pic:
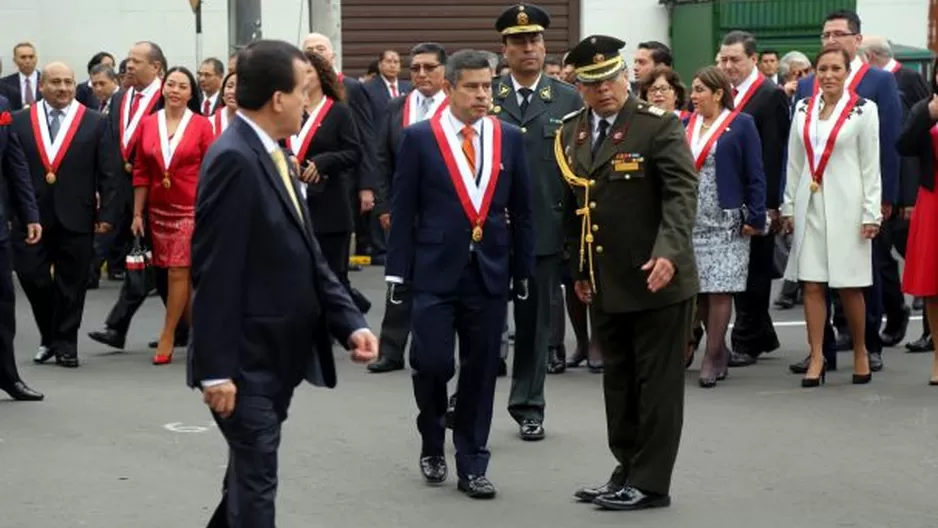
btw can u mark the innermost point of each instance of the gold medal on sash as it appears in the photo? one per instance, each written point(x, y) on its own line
point(477, 234)
point(166, 182)
point(814, 186)
point(50, 177)
point(128, 168)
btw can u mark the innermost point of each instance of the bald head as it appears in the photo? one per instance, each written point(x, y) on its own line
point(319, 43)
point(876, 50)
point(58, 84)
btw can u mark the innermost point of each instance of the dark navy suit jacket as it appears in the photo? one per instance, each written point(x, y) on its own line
point(880, 87)
point(740, 175)
point(265, 301)
point(429, 241)
point(379, 95)
point(16, 184)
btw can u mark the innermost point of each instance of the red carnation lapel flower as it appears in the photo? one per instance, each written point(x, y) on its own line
point(5, 118)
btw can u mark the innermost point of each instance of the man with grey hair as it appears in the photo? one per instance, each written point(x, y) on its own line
point(452, 249)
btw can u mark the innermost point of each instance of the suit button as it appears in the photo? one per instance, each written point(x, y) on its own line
point(599, 249)
point(592, 205)
point(524, 130)
point(595, 228)
point(628, 176)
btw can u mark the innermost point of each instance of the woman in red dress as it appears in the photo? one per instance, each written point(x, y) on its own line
point(919, 139)
point(224, 114)
point(172, 144)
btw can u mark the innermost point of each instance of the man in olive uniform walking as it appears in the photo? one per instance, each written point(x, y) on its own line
point(631, 173)
point(536, 103)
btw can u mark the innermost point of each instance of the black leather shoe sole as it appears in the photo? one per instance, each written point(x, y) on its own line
point(607, 503)
point(385, 365)
point(111, 339)
point(67, 362)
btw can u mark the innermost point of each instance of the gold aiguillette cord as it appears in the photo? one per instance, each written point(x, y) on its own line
point(586, 238)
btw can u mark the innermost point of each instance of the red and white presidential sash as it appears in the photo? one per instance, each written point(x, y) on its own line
point(701, 146)
point(299, 144)
point(475, 199)
point(129, 124)
point(853, 80)
point(220, 120)
point(742, 98)
point(893, 66)
point(411, 107)
point(818, 157)
point(51, 153)
point(169, 145)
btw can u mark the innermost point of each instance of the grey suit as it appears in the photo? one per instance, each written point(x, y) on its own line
point(549, 102)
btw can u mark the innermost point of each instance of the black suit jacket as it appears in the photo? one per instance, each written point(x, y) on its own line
point(10, 86)
point(264, 300)
point(84, 94)
point(912, 89)
point(380, 96)
point(125, 186)
point(85, 169)
point(769, 107)
point(360, 103)
point(389, 139)
point(14, 175)
point(335, 149)
point(915, 142)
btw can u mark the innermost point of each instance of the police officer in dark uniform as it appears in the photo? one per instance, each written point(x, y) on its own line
point(536, 103)
point(634, 191)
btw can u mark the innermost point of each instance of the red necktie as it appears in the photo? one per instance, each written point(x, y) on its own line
point(393, 89)
point(206, 106)
point(134, 105)
point(735, 93)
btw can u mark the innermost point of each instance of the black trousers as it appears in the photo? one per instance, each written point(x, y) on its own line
point(249, 489)
point(122, 314)
point(8, 371)
point(892, 298)
point(476, 318)
point(52, 274)
point(335, 249)
point(753, 331)
point(643, 387)
point(395, 327)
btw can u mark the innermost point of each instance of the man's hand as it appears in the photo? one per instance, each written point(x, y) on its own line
point(33, 233)
point(385, 221)
point(869, 231)
point(367, 199)
point(364, 346)
point(788, 225)
point(775, 224)
point(220, 398)
point(310, 174)
point(584, 291)
point(662, 271)
point(103, 227)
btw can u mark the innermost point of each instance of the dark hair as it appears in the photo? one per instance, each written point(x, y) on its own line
point(122, 68)
point(853, 20)
point(331, 87)
point(155, 54)
point(384, 54)
point(660, 53)
point(372, 68)
point(553, 60)
point(264, 68)
point(714, 79)
point(748, 40)
point(672, 78)
point(429, 47)
point(220, 101)
point(769, 52)
point(216, 65)
point(195, 102)
point(98, 58)
point(465, 60)
point(833, 48)
point(103, 68)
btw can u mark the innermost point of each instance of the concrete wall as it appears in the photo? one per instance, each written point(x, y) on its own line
point(902, 21)
point(633, 21)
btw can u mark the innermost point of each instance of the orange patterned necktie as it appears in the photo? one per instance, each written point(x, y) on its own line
point(467, 134)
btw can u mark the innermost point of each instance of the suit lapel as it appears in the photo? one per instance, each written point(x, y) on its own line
point(507, 100)
point(539, 99)
point(614, 135)
point(583, 133)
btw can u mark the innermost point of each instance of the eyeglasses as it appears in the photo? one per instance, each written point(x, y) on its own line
point(660, 89)
point(417, 68)
point(835, 35)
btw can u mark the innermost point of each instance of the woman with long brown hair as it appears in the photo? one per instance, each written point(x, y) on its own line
point(226, 112)
point(327, 149)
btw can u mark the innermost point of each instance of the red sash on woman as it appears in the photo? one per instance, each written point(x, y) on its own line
point(299, 144)
point(701, 147)
point(818, 163)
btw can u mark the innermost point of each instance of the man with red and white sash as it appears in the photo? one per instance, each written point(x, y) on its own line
point(457, 175)
point(753, 333)
point(426, 101)
point(66, 148)
point(879, 86)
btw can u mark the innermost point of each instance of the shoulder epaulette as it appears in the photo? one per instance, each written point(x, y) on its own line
point(651, 109)
point(571, 115)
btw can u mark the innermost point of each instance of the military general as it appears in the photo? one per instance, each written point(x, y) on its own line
point(536, 103)
point(633, 202)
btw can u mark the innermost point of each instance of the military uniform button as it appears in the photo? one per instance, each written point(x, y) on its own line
point(592, 183)
point(599, 249)
point(628, 176)
point(595, 228)
point(592, 205)
point(524, 130)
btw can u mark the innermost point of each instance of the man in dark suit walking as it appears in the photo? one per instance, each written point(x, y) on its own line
point(66, 148)
point(536, 103)
point(387, 85)
point(632, 208)
point(428, 68)
point(265, 302)
point(753, 332)
point(22, 87)
point(458, 176)
point(19, 190)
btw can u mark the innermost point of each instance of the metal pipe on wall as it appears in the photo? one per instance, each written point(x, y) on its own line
point(244, 23)
point(325, 16)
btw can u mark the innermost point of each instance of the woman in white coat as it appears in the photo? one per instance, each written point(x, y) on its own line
point(832, 205)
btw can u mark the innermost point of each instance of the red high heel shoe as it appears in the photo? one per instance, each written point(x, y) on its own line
point(162, 360)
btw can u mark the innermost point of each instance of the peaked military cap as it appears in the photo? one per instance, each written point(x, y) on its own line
point(522, 18)
point(597, 58)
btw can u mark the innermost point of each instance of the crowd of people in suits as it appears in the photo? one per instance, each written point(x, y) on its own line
point(651, 210)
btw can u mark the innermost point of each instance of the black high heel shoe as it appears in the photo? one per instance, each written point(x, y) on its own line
point(809, 383)
point(862, 379)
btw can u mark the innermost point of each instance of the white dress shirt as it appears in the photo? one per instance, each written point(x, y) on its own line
point(518, 86)
point(743, 87)
point(595, 126)
point(211, 101)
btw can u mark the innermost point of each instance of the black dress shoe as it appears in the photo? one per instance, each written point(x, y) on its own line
point(19, 391)
point(738, 359)
point(876, 361)
point(532, 430)
point(477, 487)
point(433, 469)
point(894, 331)
point(557, 360)
point(44, 354)
point(502, 368)
point(385, 364)
point(629, 499)
point(109, 337)
point(590, 494)
point(67, 361)
point(922, 344)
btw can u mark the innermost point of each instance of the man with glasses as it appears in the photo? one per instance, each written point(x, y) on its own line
point(879, 86)
point(536, 103)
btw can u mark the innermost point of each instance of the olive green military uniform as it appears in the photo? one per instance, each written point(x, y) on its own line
point(549, 101)
point(634, 201)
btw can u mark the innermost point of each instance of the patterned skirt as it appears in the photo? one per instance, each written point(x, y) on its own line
point(171, 228)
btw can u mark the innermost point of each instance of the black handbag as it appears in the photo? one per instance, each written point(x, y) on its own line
point(139, 278)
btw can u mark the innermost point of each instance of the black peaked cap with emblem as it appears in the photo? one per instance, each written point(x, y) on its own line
point(522, 18)
point(597, 58)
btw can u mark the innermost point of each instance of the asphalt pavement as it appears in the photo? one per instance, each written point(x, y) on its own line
point(119, 443)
